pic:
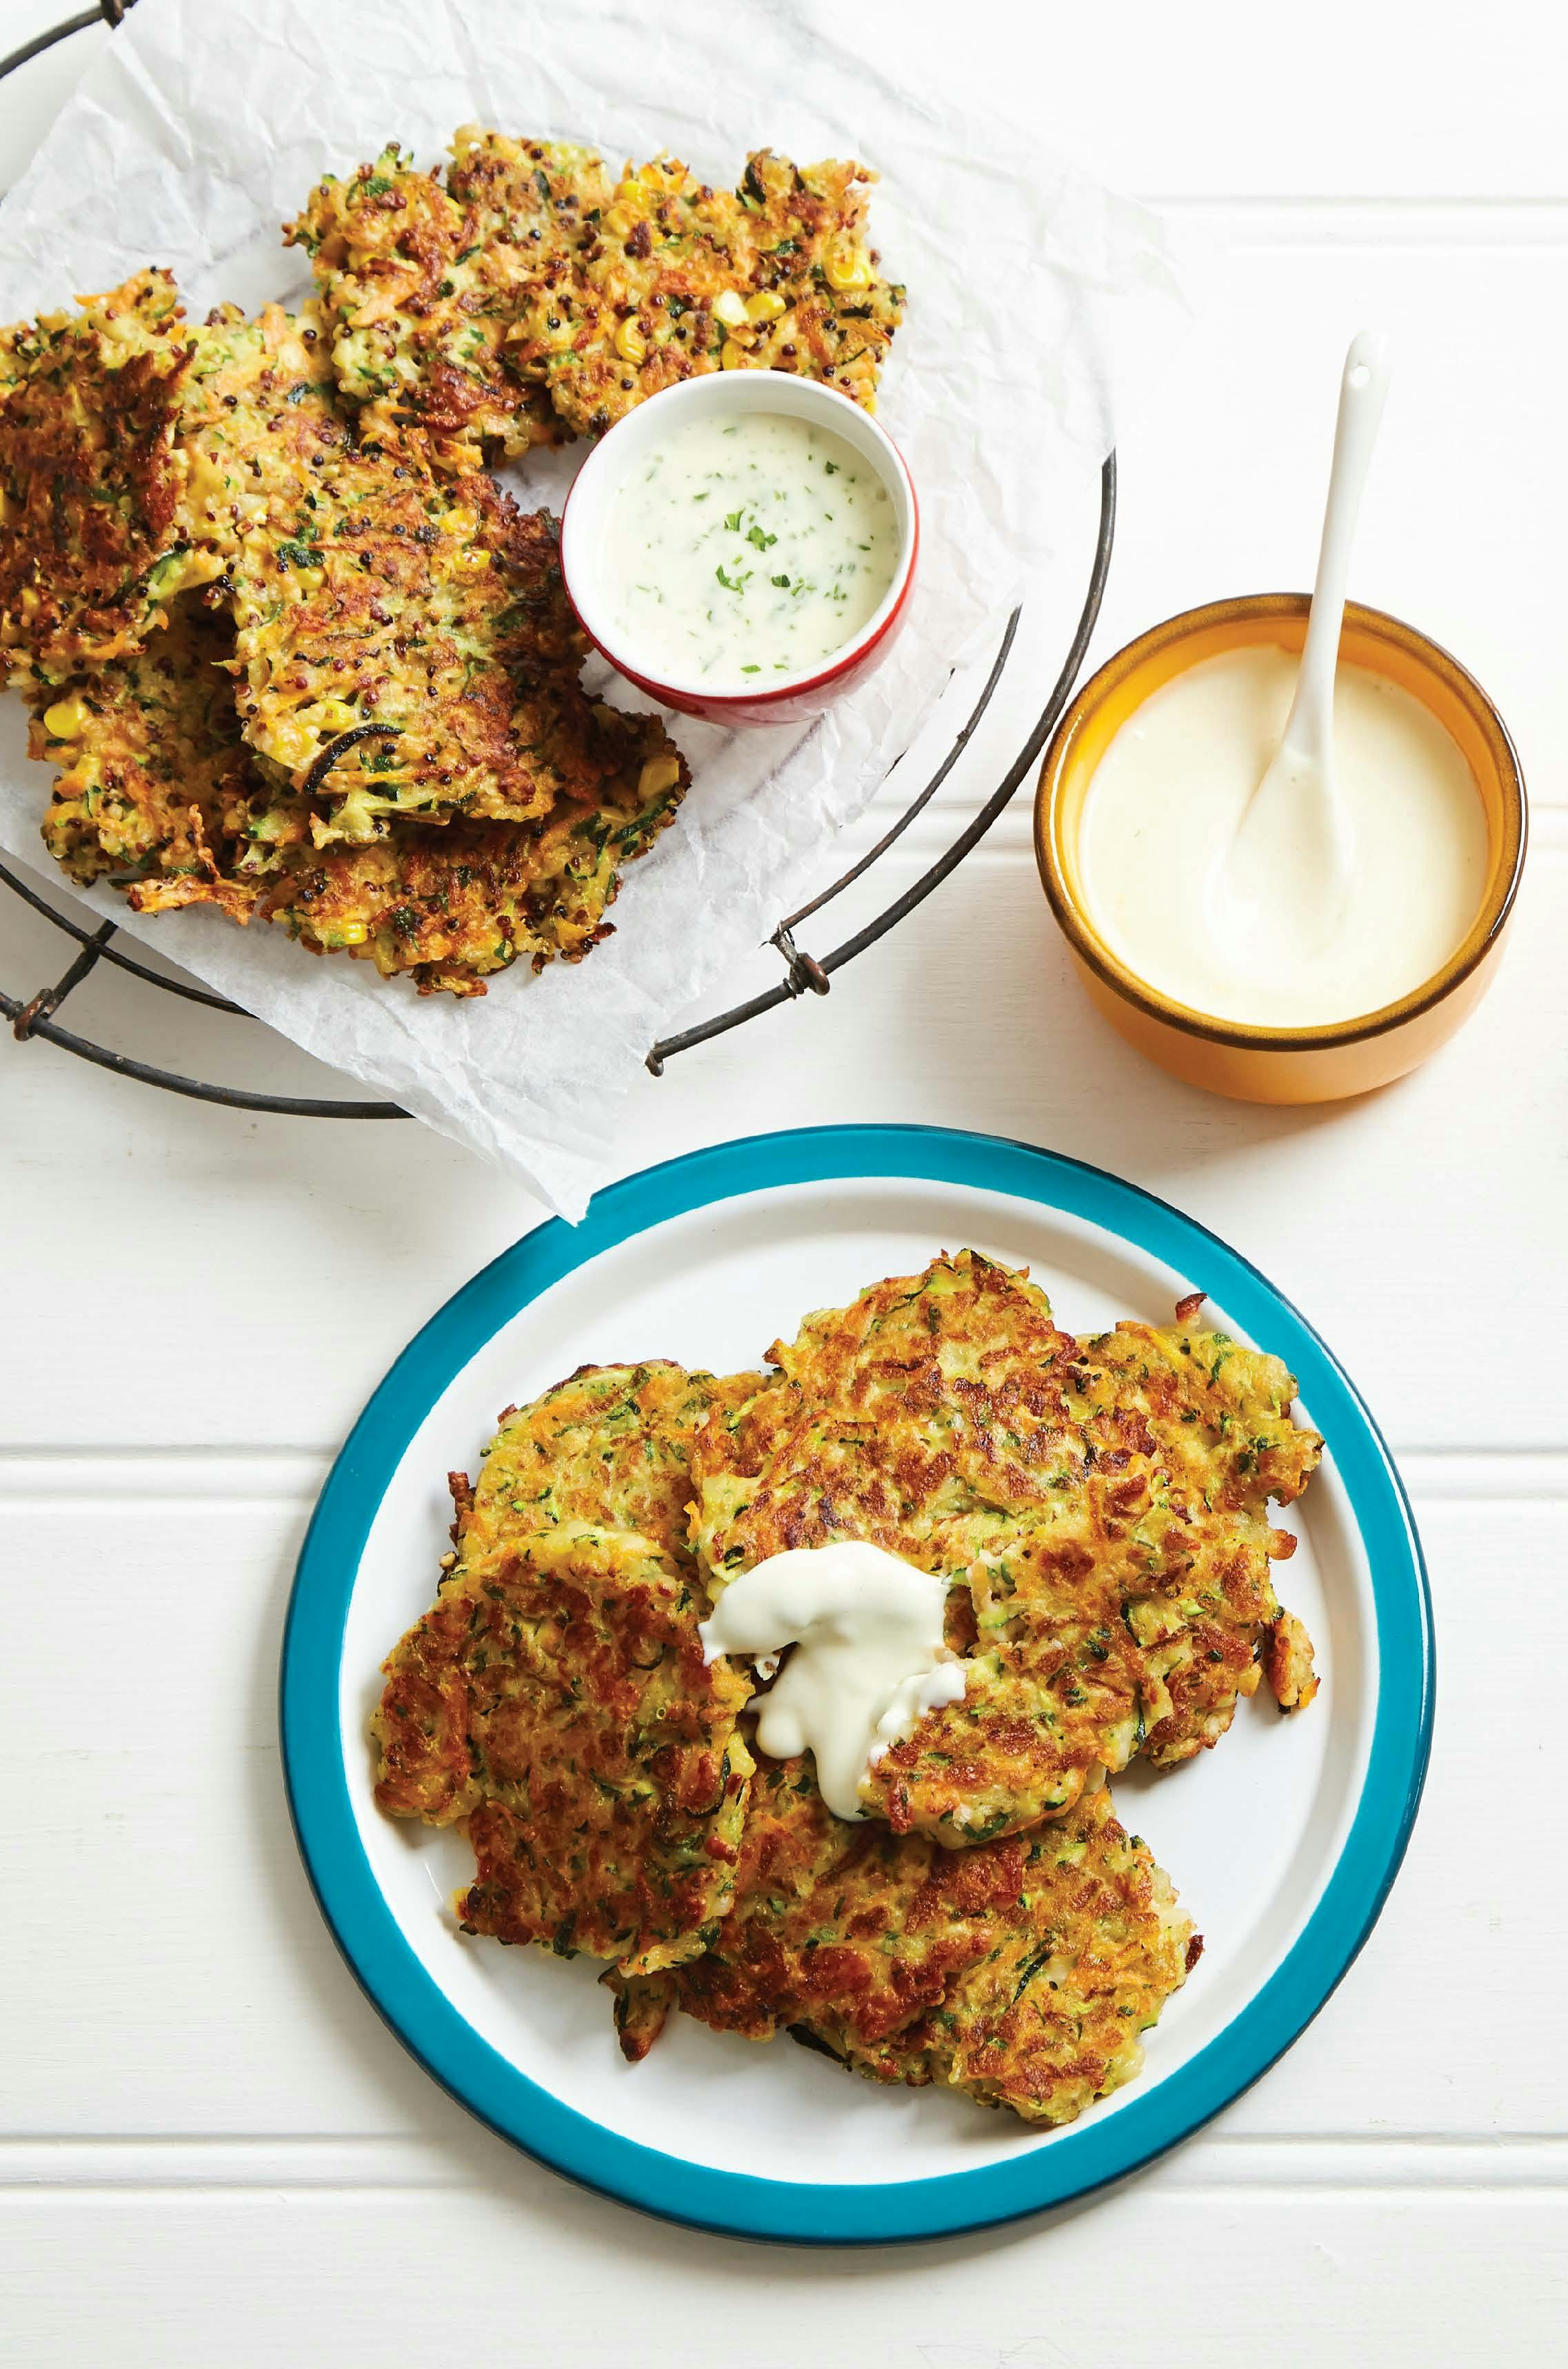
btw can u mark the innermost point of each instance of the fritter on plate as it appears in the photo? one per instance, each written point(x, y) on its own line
point(557, 1698)
point(611, 1443)
point(1021, 1970)
point(1105, 1536)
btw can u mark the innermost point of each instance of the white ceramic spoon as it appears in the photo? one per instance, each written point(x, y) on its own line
point(1282, 881)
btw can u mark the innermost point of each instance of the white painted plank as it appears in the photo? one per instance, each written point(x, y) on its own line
point(1346, 103)
point(172, 1975)
point(1171, 105)
point(1415, 2280)
point(184, 1275)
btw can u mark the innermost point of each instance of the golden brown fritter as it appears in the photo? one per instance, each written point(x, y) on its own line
point(91, 539)
point(1103, 1527)
point(924, 1417)
point(681, 278)
point(529, 298)
point(419, 285)
point(157, 783)
point(152, 771)
point(405, 652)
point(555, 1697)
point(1021, 1970)
point(451, 903)
point(611, 1444)
point(428, 620)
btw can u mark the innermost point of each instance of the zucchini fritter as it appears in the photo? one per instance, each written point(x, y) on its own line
point(90, 481)
point(154, 779)
point(611, 1443)
point(454, 902)
point(406, 659)
point(529, 298)
point(1021, 1972)
point(157, 783)
point(420, 285)
point(682, 279)
point(1101, 1512)
point(556, 1697)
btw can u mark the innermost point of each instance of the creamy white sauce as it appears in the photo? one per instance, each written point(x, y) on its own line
point(869, 1659)
point(1170, 792)
point(746, 551)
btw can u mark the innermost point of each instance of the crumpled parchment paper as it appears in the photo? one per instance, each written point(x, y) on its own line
point(1035, 301)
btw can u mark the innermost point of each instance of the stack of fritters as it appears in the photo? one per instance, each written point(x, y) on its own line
point(1099, 1508)
point(529, 297)
point(555, 1694)
point(286, 671)
point(291, 651)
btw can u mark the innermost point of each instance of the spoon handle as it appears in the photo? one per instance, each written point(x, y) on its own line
point(1362, 393)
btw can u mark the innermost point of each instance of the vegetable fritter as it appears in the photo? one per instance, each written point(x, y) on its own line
point(557, 1698)
point(91, 545)
point(1100, 1512)
point(154, 778)
point(407, 659)
point(531, 297)
point(682, 279)
point(156, 785)
point(454, 902)
point(611, 1443)
point(420, 285)
point(1021, 1970)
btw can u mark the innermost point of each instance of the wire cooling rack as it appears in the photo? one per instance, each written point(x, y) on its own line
point(34, 1017)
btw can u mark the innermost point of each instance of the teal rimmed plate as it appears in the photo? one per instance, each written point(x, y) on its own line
point(1282, 1842)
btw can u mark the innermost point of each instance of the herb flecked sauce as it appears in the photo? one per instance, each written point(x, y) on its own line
point(747, 553)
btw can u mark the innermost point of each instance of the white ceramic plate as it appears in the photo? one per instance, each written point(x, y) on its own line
point(1282, 1842)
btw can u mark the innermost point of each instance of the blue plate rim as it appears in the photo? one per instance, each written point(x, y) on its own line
point(1093, 2152)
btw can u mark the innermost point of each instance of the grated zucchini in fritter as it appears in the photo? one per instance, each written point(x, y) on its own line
point(377, 736)
point(555, 1698)
point(421, 284)
point(1100, 1511)
point(157, 783)
point(682, 279)
point(532, 298)
point(1021, 1972)
point(154, 779)
point(555, 1695)
point(611, 1443)
point(91, 483)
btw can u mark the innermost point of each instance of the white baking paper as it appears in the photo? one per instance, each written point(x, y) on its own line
point(1036, 301)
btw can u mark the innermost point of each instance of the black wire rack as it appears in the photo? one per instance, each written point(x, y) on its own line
point(34, 1017)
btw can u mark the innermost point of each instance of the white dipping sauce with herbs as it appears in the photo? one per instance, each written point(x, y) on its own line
point(746, 551)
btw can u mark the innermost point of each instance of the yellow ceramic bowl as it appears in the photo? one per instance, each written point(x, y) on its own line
point(1281, 1065)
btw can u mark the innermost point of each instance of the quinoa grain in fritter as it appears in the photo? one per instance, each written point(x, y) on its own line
point(682, 279)
point(92, 544)
point(419, 288)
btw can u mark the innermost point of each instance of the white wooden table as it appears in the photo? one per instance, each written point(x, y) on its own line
point(211, 2152)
